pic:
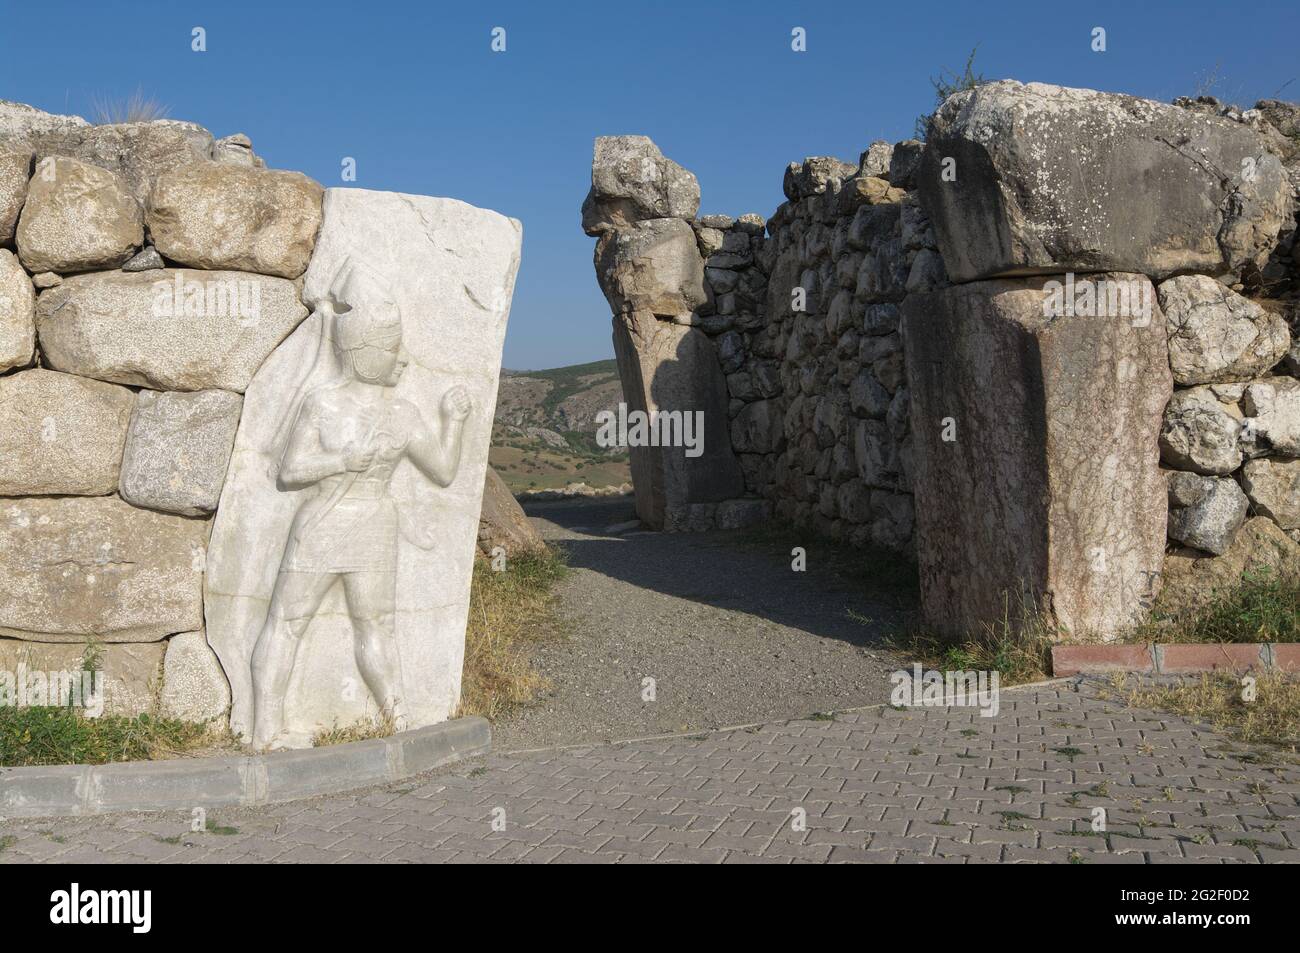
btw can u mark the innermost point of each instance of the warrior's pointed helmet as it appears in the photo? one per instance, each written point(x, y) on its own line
point(366, 312)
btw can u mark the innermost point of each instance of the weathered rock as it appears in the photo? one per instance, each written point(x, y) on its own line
point(126, 683)
point(1205, 512)
point(651, 266)
point(194, 688)
point(175, 329)
point(78, 217)
point(1051, 179)
point(1272, 409)
point(236, 149)
point(1200, 434)
point(137, 151)
point(15, 170)
point(814, 175)
point(757, 428)
point(17, 314)
point(216, 215)
point(876, 160)
point(1273, 485)
point(75, 567)
point(1016, 505)
point(904, 163)
point(46, 279)
point(1216, 335)
point(177, 448)
point(501, 520)
point(742, 514)
point(667, 367)
point(146, 260)
point(61, 434)
point(1193, 579)
point(631, 181)
point(447, 269)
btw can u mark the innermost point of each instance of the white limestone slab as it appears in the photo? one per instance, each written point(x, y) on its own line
point(451, 269)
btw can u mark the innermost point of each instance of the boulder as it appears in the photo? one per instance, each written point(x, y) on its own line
point(1193, 579)
point(129, 672)
point(670, 367)
point(218, 215)
point(814, 176)
point(876, 160)
point(137, 151)
point(632, 181)
point(1272, 409)
point(904, 163)
point(757, 428)
point(742, 514)
point(76, 567)
point(1051, 179)
point(501, 520)
point(1216, 335)
point(15, 170)
point(194, 688)
point(177, 448)
point(446, 271)
point(17, 314)
point(172, 329)
point(78, 217)
point(1200, 434)
point(1016, 498)
point(1273, 485)
point(651, 266)
point(61, 434)
point(1205, 512)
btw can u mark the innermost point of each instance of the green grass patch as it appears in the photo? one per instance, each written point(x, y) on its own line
point(1264, 607)
point(47, 735)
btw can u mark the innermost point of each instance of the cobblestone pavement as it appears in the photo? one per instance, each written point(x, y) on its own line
point(877, 785)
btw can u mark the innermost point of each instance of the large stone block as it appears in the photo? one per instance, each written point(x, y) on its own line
point(502, 521)
point(358, 473)
point(217, 215)
point(651, 266)
point(76, 567)
point(667, 367)
point(61, 434)
point(1273, 408)
point(1045, 179)
point(15, 169)
point(173, 329)
point(631, 181)
point(78, 217)
point(1216, 335)
point(17, 314)
point(177, 448)
point(124, 679)
point(194, 688)
point(1273, 485)
point(137, 151)
point(1035, 462)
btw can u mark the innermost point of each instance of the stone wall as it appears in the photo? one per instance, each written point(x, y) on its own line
point(155, 294)
point(898, 383)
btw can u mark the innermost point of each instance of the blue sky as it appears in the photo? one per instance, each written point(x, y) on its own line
point(414, 93)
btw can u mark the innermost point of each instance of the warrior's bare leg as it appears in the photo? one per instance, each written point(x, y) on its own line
point(294, 601)
point(372, 599)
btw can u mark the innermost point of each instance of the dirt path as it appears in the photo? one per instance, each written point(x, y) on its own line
point(729, 633)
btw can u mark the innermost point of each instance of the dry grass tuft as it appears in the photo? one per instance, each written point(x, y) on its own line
point(137, 107)
point(508, 610)
point(1018, 649)
point(381, 726)
point(1217, 700)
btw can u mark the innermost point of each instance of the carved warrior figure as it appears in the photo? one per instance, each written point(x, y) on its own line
point(344, 441)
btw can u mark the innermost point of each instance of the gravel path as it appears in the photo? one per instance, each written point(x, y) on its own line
point(729, 633)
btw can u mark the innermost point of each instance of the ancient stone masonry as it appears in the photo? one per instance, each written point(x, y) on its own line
point(896, 378)
point(193, 348)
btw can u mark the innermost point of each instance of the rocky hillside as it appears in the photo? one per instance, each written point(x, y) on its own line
point(544, 436)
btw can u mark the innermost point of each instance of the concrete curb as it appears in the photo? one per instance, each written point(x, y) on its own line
point(81, 789)
point(1175, 658)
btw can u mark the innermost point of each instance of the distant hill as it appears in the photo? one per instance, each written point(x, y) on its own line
point(545, 427)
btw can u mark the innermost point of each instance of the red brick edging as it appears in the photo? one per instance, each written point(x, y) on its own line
point(1168, 658)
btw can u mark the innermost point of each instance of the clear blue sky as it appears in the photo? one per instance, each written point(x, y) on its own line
point(414, 93)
